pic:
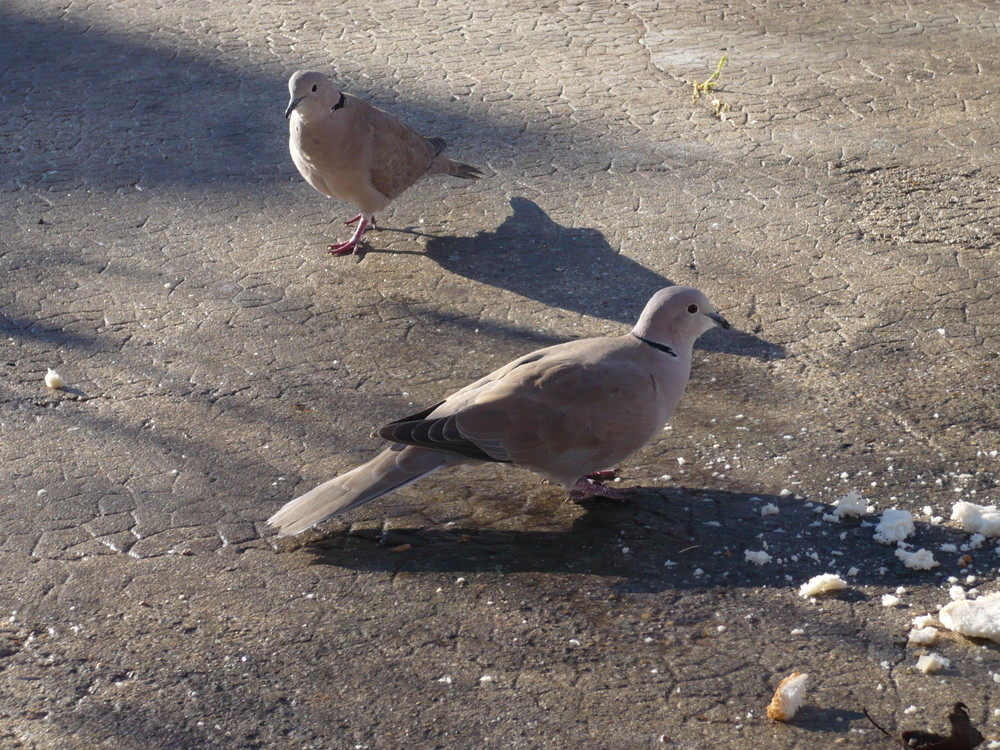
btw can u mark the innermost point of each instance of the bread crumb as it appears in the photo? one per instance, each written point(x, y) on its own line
point(922, 559)
point(923, 621)
point(822, 584)
point(894, 526)
point(932, 662)
point(853, 504)
point(757, 557)
point(922, 637)
point(788, 697)
point(977, 519)
point(54, 380)
point(889, 600)
point(976, 618)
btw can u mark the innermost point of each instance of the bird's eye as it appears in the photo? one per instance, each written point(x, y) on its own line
point(692, 309)
point(314, 88)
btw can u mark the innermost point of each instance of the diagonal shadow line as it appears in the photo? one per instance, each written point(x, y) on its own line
point(25, 328)
point(572, 269)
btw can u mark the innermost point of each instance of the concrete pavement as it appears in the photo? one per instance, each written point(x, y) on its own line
point(160, 251)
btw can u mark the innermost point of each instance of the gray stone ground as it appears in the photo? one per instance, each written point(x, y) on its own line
point(159, 250)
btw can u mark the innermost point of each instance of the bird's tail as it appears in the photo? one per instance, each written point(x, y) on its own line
point(390, 470)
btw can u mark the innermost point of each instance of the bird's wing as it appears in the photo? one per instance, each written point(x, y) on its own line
point(400, 156)
point(558, 407)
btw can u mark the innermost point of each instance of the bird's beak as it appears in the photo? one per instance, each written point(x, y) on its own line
point(292, 105)
point(719, 320)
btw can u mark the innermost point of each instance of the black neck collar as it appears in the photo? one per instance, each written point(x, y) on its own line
point(656, 345)
point(340, 103)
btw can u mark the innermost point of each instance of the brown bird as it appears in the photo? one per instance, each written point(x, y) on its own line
point(350, 150)
point(565, 412)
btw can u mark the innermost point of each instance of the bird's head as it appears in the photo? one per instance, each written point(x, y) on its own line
point(676, 316)
point(312, 95)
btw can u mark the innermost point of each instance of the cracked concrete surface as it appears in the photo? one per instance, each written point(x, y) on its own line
point(160, 251)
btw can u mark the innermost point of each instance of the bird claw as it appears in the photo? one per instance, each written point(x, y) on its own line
point(344, 248)
point(585, 488)
point(351, 246)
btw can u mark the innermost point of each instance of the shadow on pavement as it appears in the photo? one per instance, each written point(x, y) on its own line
point(572, 269)
point(633, 540)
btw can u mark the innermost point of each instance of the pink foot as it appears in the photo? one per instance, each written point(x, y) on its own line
point(346, 248)
point(585, 488)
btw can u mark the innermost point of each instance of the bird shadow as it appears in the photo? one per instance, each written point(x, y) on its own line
point(570, 268)
point(652, 542)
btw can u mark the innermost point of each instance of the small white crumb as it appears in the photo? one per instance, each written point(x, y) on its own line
point(720, 628)
point(948, 547)
point(894, 526)
point(822, 584)
point(486, 678)
point(932, 662)
point(922, 559)
point(770, 509)
point(797, 631)
point(956, 592)
point(446, 679)
point(788, 697)
point(977, 519)
point(976, 618)
point(910, 710)
point(784, 493)
point(681, 460)
point(460, 581)
point(830, 518)
point(54, 380)
point(757, 557)
point(922, 636)
point(852, 504)
point(923, 621)
point(889, 600)
point(852, 571)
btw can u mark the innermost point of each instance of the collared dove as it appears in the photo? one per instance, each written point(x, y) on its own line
point(566, 412)
point(348, 149)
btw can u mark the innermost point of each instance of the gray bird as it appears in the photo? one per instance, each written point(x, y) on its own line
point(350, 150)
point(565, 412)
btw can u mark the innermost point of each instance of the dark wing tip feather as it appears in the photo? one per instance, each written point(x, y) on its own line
point(438, 434)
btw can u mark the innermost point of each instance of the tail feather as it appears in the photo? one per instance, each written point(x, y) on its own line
point(443, 165)
point(390, 470)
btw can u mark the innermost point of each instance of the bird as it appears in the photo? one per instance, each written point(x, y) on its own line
point(568, 412)
point(351, 150)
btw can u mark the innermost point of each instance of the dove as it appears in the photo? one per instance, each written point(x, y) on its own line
point(568, 412)
point(355, 152)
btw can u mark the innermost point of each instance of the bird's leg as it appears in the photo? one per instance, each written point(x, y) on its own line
point(345, 248)
point(585, 488)
point(371, 224)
